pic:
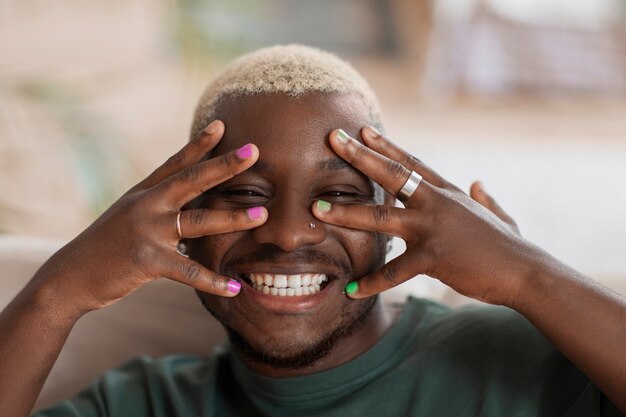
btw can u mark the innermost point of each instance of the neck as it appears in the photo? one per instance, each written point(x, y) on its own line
point(376, 325)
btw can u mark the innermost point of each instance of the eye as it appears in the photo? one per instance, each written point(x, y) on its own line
point(242, 193)
point(339, 194)
point(346, 197)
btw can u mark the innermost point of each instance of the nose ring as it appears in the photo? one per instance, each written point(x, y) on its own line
point(311, 225)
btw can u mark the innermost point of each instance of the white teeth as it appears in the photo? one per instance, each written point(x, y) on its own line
point(280, 281)
point(288, 285)
point(293, 281)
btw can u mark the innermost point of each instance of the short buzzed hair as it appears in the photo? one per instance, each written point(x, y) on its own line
point(291, 69)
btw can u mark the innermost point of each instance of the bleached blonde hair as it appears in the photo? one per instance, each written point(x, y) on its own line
point(291, 69)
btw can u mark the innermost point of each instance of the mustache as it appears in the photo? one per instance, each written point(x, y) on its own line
point(267, 254)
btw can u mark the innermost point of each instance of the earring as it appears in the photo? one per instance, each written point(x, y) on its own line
point(311, 225)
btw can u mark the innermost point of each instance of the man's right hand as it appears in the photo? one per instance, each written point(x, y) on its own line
point(135, 240)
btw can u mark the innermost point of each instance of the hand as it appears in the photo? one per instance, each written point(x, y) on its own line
point(135, 240)
point(468, 243)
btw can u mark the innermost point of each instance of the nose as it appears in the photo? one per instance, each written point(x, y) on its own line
point(288, 225)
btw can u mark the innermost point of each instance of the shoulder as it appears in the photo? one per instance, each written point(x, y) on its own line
point(179, 383)
point(472, 326)
point(492, 341)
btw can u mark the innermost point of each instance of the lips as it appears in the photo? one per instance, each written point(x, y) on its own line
point(287, 285)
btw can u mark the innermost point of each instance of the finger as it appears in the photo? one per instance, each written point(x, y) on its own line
point(390, 174)
point(192, 273)
point(193, 180)
point(375, 140)
point(383, 219)
point(203, 222)
point(478, 193)
point(392, 274)
point(190, 154)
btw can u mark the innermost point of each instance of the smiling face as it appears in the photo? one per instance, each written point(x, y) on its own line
point(277, 318)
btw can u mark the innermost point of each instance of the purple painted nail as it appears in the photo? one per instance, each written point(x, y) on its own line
point(233, 286)
point(245, 151)
point(255, 213)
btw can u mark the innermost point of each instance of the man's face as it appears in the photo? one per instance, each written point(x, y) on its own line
point(296, 167)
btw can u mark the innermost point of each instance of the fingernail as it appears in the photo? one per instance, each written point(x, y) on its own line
point(352, 288)
point(371, 132)
point(245, 151)
point(212, 127)
point(342, 137)
point(323, 206)
point(255, 213)
point(233, 286)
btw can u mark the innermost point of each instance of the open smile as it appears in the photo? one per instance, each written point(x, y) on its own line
point(284, 285)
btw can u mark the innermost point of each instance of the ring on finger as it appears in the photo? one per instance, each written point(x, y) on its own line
point(409, 186)
point(178, 229)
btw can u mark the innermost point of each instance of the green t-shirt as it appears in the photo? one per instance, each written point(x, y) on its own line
point(434, 361)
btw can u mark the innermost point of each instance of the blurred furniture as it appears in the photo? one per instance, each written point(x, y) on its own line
point(493, 54)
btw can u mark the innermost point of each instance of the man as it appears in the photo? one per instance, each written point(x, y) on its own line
point(284, 200)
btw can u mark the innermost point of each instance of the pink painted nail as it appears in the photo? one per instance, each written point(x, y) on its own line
point(255, 213)
point(233, 286)
point(245, 151)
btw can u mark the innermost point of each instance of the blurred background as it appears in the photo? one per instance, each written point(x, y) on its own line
point(526, 95)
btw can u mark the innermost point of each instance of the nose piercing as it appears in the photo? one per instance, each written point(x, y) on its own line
point(311, 225)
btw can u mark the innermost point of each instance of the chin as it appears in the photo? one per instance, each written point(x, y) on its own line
point(288, 342)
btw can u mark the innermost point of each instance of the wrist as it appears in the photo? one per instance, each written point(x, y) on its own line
point(535, 280)
point(50, 301)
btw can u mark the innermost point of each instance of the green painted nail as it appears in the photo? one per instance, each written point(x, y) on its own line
point(352, 288)
point(323, 206)
point(342, 136)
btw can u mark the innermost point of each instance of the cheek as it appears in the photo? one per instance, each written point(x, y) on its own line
point(210, 250)
point(366, 250)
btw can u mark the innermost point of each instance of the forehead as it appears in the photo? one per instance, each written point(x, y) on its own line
point(289, 127)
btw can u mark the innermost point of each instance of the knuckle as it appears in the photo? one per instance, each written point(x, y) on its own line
point(233, 216)
point(191, 271)
point(359, 152)
point(214, 282)
point(390, 274)
point(176, 159)
point(229, 162)
point(411, 161)
point(380, 214)
point(197, 217)
point(190, 174)
point(395, 170)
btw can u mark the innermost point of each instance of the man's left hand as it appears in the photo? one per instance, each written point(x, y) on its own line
point(467, 242)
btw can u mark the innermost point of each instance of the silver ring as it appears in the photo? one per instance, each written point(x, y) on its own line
point(180, 232)
point(409, 186)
